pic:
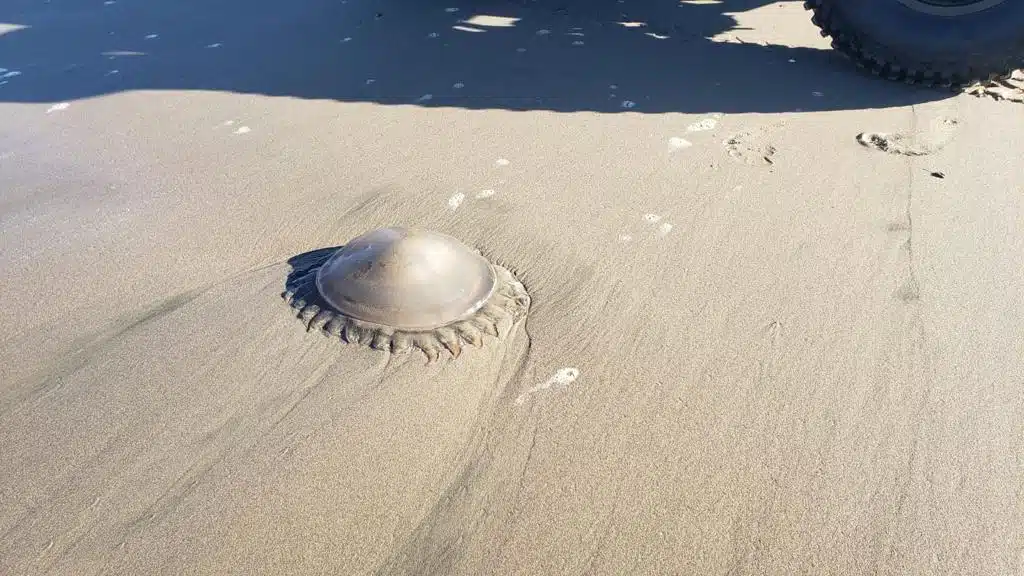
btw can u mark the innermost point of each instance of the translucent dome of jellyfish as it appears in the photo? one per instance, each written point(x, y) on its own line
point(398, 289)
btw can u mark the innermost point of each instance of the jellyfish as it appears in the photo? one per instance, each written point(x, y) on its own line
point(399, 289)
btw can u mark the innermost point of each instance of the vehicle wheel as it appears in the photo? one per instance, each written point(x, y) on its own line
point(931, 42)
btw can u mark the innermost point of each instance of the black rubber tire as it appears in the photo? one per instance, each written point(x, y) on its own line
point(897, 42)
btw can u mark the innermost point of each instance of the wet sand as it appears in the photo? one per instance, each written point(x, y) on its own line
point(763, 339)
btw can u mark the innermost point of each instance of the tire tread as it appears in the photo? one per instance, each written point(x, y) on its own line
point(850, 44)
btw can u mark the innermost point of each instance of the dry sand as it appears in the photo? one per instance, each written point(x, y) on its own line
point(758, 344)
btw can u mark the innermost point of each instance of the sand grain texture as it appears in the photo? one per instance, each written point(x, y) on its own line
point(811, 365)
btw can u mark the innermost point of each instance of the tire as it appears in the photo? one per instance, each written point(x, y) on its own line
point(924, 42)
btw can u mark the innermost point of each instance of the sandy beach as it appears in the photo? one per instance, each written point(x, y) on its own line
point(776, 308)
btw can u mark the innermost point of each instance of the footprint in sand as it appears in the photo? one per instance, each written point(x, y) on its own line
point(750, 147)
point(559, 380)
point(940, 133)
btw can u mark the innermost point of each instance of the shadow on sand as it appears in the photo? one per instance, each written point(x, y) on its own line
point(556, 55)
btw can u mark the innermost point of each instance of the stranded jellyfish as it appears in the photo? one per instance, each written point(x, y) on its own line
point(395, 289)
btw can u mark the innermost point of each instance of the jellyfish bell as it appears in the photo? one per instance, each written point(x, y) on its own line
point(409, 280)
point(396, 289)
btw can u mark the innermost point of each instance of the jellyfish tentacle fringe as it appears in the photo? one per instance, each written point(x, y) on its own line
point(508, 303)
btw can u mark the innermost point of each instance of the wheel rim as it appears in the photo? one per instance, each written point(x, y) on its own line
point(950, 7)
